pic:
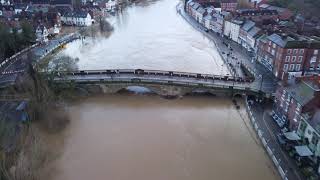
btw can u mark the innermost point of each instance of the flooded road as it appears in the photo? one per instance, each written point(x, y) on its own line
point(149, 36)
point(136, 137)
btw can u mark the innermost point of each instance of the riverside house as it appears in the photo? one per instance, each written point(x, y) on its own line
point(309, 132)
point(296, 100)
point(42, 33)
point(289, 55)
point(200, 13)
point(77, 18)
point(232, 29)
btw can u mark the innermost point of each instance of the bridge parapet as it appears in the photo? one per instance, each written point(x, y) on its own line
point(131, 77)
point(156, 73)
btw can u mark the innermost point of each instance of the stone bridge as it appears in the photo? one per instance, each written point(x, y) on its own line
point(165, 83)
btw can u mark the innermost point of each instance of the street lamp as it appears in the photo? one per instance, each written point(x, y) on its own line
point(262, 78)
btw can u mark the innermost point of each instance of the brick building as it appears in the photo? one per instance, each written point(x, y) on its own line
point(229, 5)
point(289, 56)
point(258, 15)
point(296, 100)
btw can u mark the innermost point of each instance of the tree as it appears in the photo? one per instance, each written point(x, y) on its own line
point(28, 35)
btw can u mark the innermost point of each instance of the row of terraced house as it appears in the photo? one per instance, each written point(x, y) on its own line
point(279, 40)
point(48, 16)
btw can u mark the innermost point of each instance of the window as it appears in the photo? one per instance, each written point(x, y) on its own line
point(300, 59)
point(285, 67)
point(314, 139)
point(268, 49)
point(301, 51)
point(298, 66)
point(315, 52)
point(303, 126)
point(289, 51)
point(298, 107)
point(293, 59)
point(273, 52)
point(291, 67)
point(274, 45)
point(295, 51)
point(287, 58)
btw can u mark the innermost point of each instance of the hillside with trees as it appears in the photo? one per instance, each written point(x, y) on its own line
point(308, 8)
point(14, 40)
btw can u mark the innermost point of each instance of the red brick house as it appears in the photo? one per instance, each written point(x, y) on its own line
point(284, 13)
point(258, 15)
point(288, 56)
point(229, 5)
point(297, 99)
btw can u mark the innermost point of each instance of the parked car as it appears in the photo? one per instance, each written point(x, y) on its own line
point(280, 121)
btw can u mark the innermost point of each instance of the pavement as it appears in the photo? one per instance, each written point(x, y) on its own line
point(20, 62)
point(270, 129)
point(264, 79)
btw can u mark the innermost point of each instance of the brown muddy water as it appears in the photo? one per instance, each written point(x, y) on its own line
point(145, 137)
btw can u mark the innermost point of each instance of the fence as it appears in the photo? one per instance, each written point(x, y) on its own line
point(66, 40)
point(265, 143)
point(3, 63)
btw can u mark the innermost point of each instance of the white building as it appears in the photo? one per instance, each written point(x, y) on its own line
point(111, 5)
point(207, 21)
point(80, 18)
point(200, 13)
point(194, 8)
point(42, 33)
point(232, 29)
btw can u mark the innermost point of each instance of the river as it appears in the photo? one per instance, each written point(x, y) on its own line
point(151, 36)
point(145, 137)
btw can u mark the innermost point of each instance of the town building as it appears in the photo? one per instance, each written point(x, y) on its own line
point(207, 21)
point(309, 133)
point(111, 5)
point(199, 14)
point(249, 32)
point(296, 100)
point(42, 33)
point(258, 15)
point(232, 29)
point(78, 18)
point(247, 25)
point(218, 18)
point(229, 5)
point(284, 13)
point(7, 11)
point(289, 56)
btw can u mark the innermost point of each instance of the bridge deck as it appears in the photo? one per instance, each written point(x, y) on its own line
point(163, 77)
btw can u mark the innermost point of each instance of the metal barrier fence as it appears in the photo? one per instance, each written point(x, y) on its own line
point(67, 39)
point(3, 63)
point(265, 143)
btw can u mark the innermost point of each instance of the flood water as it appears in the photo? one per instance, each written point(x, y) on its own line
point(149, 36)
point(137, 137)
point(140, 137)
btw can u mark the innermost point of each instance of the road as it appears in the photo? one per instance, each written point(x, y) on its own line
point(270, 130)
point(265, 80)
point(19, 63)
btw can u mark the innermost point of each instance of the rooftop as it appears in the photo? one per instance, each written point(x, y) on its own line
point(254, 31)
point(303, 92)
point(248, 25)
point(256, 12)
